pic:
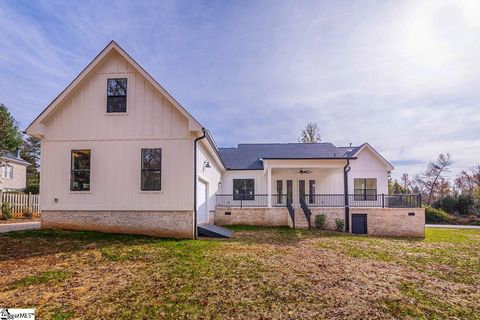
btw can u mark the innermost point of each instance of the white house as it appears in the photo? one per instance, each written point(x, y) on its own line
point(120, 154)
point(13, 172)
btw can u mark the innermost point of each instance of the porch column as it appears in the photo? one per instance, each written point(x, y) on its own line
point(269, 186)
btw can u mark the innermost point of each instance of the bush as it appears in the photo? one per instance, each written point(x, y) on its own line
point(6, 211)
point(447, 203)
point(27, 213)
point(320, 221)
point(340, 223)
point(434, 215)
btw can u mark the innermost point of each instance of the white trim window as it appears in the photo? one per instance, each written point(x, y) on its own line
point(7, 172)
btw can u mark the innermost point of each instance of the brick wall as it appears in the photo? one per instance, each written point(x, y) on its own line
point(175, 224)
point(394, 221)
point(252, 216)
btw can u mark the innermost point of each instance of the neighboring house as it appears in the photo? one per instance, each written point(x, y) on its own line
point(120, 154)
point(13, 172)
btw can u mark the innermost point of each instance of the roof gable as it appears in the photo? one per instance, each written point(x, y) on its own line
point(367, 146)
point(36, 128)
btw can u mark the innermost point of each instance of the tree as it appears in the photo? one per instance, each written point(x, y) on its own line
point(10, 136)
point(30, 152)
point(433, 181)
point(406, 183)
point(311, 133)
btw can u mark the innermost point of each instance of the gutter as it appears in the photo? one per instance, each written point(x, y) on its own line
point(195, 182)
point(346, 169)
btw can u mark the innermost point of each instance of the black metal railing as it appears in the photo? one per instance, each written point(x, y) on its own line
point(291, 211)
point(306, 211)
point(242, 201)
point(371, 200)
point(321, 200)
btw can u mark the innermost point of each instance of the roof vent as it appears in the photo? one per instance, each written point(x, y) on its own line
point(350, 148)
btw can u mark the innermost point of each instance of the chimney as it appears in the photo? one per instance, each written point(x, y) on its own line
point(18, 152)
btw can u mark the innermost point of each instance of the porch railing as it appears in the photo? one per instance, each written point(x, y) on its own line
point(322, 200)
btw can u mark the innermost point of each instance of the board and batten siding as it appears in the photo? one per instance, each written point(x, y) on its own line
point(116, 141)
point(368, 165)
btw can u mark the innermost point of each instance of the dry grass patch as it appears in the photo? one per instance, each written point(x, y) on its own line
point(262, 273)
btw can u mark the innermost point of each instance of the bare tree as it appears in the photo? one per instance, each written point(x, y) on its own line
point(433, 179)
point(406, 183)
point(311, 133)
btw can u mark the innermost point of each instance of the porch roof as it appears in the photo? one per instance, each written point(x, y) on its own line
point(249, 156)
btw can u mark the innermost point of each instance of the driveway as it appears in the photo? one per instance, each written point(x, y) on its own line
point(19, 226)
point(451, 226)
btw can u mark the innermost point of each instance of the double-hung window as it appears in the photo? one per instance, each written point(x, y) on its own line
point(365, 189)
point(6, 171)
point(117, 95)
point(80, 170)
point(243, 189)
point(151, 170)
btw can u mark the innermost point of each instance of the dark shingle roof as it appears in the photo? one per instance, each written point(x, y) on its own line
point(247, 156)
point(11, 157)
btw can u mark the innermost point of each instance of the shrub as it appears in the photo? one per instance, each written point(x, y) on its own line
point(27, 213)
point(465, 204)
point(447, 203)
point(6, 211)
point(320, 221)
point(434, 215)
point(340, 223)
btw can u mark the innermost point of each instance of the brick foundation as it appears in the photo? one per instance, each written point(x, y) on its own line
point(175, 224)
point(252, 216)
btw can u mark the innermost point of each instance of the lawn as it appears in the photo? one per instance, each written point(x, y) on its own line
point(261, 273)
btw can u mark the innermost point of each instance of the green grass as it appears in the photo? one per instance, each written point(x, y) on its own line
point(42, 278)
point(270, 273)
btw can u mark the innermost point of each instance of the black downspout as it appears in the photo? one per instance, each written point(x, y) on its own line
point(195, 183)
point(346, 169)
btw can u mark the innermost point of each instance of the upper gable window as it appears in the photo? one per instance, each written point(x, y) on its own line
point(117, 95)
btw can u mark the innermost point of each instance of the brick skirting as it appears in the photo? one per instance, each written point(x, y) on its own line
point(175, 224)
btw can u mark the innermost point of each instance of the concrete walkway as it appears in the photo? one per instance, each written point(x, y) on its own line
point(19, 226)
point(451, 226)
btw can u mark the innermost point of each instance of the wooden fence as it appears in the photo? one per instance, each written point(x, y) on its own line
point(21, 202)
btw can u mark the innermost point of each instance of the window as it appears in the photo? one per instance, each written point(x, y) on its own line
point(279, 191)
point(365, 189)
point(311, 191)
point(116, 95)
point(151, 169)
point(243, 189)
point(80, 175)
point(6, 172)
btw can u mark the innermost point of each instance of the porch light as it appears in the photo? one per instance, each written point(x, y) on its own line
point(206, 164)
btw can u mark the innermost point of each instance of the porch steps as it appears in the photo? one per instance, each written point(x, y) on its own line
point(213, 231)
point(300, 219)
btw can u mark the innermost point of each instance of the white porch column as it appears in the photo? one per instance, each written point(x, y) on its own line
point(269, 186)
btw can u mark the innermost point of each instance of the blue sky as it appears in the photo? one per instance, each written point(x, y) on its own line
point(402, 75)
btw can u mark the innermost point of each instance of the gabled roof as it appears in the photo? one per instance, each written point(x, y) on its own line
point(249, 156)
point(10, 157)
point(194, 125)
point(372, 149)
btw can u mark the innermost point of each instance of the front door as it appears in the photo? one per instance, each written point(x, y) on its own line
point(202, 202)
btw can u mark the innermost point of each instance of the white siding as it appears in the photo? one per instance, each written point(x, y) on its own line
point(212, 176)
point(19, 178)
point(368, 165)
point(258, 175)
point(116, 140)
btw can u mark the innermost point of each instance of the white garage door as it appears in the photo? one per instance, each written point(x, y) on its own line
point(202, 206)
